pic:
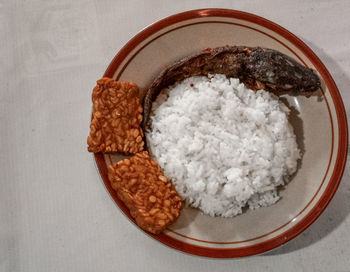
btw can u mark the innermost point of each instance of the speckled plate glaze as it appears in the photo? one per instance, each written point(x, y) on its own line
point(319, 123)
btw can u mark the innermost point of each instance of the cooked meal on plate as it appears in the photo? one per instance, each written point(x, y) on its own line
point(217, 135)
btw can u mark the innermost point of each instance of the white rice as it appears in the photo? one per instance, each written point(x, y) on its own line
point(222, 145)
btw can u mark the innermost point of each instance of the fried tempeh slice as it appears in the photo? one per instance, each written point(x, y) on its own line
point(150, 197)
point(116, 118)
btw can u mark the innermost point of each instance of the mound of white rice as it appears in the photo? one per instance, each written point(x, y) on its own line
point(222, 145)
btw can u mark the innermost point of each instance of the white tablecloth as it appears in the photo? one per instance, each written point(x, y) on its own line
point(55, 213)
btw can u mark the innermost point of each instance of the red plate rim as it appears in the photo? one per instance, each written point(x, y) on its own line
point(342, 132)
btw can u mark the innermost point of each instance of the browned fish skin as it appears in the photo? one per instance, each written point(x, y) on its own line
point(256, 67)
point(279, 72)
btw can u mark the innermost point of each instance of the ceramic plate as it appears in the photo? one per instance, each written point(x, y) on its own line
point(319, 123)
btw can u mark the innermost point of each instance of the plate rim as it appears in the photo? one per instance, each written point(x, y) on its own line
point(340, 161)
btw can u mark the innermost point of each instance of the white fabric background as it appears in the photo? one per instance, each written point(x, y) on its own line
point(55, 214)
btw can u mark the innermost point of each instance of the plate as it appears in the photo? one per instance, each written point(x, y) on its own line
point(319, 123)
